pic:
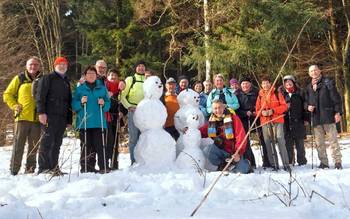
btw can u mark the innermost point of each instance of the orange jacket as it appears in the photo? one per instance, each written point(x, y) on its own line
point(172, 107)
point(270, 101)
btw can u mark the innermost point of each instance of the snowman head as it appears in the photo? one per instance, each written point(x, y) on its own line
point(153, 87)
point(188, 97)
point(192, 120)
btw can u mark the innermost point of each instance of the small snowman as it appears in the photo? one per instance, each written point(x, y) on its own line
point(192, 155)
point(155, 148)
point(189, 103)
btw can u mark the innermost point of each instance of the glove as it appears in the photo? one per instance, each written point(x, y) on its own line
point(270, 112)
point(264, 113)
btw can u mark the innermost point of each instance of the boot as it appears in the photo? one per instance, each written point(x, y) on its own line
point(338, 166)
point(323, 166)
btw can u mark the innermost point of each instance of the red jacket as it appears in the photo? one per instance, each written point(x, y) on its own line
point(112, 86)
point(231, 145)
point(278, 105)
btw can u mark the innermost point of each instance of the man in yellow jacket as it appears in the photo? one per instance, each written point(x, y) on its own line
point(20, 98)
point(130, 97)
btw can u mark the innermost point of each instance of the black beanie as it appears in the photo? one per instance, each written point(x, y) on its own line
point(140, 62)
point(245, 79)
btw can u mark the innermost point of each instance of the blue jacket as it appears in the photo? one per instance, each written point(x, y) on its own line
point(92, 107)
point(230, 98)
point(203, 105)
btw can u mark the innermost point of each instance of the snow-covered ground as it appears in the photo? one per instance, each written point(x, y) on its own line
point(128, 193)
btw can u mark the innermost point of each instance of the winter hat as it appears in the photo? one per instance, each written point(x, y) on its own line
point(59, 60)
point(170, 80)
point(182, 77)
point(140, 62)
point(289, 77)
point(245, 79)
point(233, 81)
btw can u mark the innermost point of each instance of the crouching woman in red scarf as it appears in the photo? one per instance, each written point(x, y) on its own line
point(227, 131)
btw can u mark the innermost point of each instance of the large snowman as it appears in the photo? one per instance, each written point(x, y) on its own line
point(191, 156)
point(155, 148)
point(188, 101)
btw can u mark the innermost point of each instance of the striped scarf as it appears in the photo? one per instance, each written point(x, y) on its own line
point(227, 123)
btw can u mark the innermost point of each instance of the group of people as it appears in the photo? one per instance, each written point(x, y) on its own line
point(44, 104)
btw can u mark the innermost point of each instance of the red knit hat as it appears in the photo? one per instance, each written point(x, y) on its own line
point(59, 60)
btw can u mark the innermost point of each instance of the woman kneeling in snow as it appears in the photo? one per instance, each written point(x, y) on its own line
point(227, 131)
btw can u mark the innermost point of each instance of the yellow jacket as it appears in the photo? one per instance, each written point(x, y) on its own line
point(16, 94)
point(133, 92)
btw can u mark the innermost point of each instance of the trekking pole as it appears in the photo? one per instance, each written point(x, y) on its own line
point(103, 139)
point(85, 138)
point(312, 140)
point(116, 138)
point(273, 146)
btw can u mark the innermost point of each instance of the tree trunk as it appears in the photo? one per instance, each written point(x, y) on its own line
point(346, 64)
point(335, 47)
point(206, 40)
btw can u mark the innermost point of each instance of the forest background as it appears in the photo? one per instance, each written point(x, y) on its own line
point(197, 38)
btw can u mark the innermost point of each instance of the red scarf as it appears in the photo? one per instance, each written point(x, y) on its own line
point(290, 90)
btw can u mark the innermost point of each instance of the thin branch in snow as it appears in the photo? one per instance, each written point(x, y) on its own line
point(314, 192)
point(39, 213)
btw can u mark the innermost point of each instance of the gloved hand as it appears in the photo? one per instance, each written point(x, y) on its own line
point(17, 108)
point(270, 112)
point(265, 113)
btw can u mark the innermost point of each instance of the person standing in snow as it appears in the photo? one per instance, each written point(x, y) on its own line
point(114, 87)
point(130, 97)
point(172, 106)
point(208, 86)
point(294, 120)
point(325, 105)
point(198, 87)
point(246, 112)
point(20, 98)
point(94, 96)
point(183, 83)
point(223, 93)
point(271, 107)
point(53, 102)
point(227, 131)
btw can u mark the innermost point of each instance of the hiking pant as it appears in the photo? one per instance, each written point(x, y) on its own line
point(331, 131)
point(93, 144)
point(112, 143)
point(248, 154)
point(25, 131)
point(51, 142)
point(278, 135)
point(217, 156)
point(134, 134)
point(299, 145)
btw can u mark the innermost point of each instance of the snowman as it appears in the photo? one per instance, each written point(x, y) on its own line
point(189, 103)
point(155, 148)
point(191, 155)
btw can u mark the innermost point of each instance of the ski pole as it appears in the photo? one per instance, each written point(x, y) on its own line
point(312, 140)
point(103, 139)
point(85, 137)
point(116, 144)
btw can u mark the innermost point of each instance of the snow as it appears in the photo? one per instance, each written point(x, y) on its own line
point(129, 193)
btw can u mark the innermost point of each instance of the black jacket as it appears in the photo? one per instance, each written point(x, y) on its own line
point(326, 99)
point(247, 103)
point(296, 114)
point(54, 96)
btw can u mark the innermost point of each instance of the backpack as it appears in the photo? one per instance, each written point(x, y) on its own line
point(133, 82)
point(23, 80)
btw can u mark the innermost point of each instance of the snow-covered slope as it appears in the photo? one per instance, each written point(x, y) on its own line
point(128, 193)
